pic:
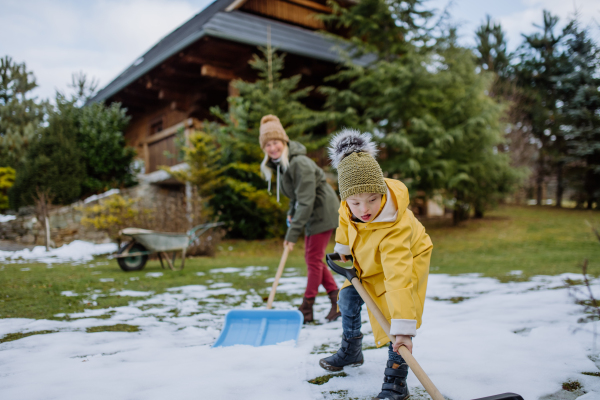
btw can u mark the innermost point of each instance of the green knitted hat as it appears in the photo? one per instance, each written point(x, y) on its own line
point(353, 155)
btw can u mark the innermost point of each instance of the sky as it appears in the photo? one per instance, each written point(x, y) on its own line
point(103, 37)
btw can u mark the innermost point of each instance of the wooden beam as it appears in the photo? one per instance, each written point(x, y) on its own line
point(218, 72)
point(166, 94)
point(311, 4)
point(188, 58)
point(170, 131)
point(235, 5)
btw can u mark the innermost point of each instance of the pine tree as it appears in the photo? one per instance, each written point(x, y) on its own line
point(21, 115)
point(492, 56)
point(578, 88)
point(53, 165)
point(539, 62)
point(426, 105)
point(232, 160)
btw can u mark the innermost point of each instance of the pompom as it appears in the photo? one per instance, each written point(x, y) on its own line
point(349, 141)
point(269, 118)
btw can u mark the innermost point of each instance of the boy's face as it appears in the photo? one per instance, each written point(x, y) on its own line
point(364, 206)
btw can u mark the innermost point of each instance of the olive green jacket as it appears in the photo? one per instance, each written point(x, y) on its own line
point(313, 203)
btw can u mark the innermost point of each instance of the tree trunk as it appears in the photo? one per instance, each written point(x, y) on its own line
point(559, 184)
point(540, 180)
point(461, 210)
point(478, 213)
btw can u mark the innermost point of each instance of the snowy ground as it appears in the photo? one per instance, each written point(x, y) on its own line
point(479, 337)
point(77, 251)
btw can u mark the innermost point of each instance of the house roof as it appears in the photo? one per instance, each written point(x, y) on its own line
point(236, 26)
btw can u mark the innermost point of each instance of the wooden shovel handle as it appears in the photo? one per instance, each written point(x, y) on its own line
point(404, 352)
point(284, 257)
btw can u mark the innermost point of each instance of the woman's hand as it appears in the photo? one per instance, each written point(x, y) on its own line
point(289, 219)
point(343, 258)
point(403, 340)
point(288, 244)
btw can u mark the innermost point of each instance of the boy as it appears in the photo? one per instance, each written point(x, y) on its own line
point(391, 254)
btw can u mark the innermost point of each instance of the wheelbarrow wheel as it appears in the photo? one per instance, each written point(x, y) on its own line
point(133, 263)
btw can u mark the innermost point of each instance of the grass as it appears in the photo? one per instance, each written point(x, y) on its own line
point(113, 328)
point(529, 239)
point(321, 380)
point(534, 240)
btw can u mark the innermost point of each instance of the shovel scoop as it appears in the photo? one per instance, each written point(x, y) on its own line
point(350, 274)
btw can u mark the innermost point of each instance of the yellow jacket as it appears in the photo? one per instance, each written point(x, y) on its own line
point(391, 257)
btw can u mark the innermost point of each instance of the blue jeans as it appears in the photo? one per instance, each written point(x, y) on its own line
point(350, 304)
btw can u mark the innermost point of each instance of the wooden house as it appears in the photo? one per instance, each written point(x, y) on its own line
point(176, 82)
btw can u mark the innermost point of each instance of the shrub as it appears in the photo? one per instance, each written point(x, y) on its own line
point(7, 180)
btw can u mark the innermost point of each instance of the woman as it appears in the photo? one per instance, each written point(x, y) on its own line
point(313, 206)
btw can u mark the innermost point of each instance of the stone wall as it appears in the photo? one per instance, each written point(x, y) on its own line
point(65, 222)
point(65, 227)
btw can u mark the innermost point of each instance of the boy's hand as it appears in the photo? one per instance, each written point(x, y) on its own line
point(288, 244)
point(403, 340)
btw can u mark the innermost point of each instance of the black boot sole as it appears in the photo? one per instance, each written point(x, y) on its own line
point(333, 368)
point(379, 398)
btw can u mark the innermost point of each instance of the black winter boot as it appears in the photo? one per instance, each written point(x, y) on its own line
point(349, 354)
point(394, 382)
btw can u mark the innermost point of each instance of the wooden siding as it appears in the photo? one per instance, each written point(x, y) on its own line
point(285, 11)
point(156, 154)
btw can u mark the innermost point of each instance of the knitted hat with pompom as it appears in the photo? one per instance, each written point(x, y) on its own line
point(353, 155)
point(271, 129)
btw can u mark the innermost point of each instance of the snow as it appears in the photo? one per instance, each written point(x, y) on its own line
point(521, 337)
point(101, 195)
point(6, 218)
point(77, 251)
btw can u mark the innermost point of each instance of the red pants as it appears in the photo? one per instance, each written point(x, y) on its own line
point(318, 273)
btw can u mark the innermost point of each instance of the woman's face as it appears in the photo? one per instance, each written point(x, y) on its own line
point(364, 206)
point(274, 149)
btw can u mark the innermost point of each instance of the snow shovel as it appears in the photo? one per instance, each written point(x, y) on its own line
point(262, 327)
point(350, 274)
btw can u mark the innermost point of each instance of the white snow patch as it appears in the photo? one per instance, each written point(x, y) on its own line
point(227, 270)
point(154, 274)
point(77, 251)
point(6, 218)
point(101, 195)
point(133, 293)
point(503, 337)
point(68, 293)
point(107, 279)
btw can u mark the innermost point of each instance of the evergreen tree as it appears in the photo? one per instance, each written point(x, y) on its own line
point(53, 165)
point(427, 106)
point(21, 115)
point(578, 88)
point(491, 46)
point(492, 56)
point(539, 62)
point(100, 138)
point(238, 192)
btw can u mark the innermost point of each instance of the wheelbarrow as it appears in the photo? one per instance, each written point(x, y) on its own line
point(134, 255)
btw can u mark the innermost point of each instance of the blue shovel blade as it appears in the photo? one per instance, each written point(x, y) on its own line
point(260, 327)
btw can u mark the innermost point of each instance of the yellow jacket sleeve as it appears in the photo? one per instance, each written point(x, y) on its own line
point(397, 262)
